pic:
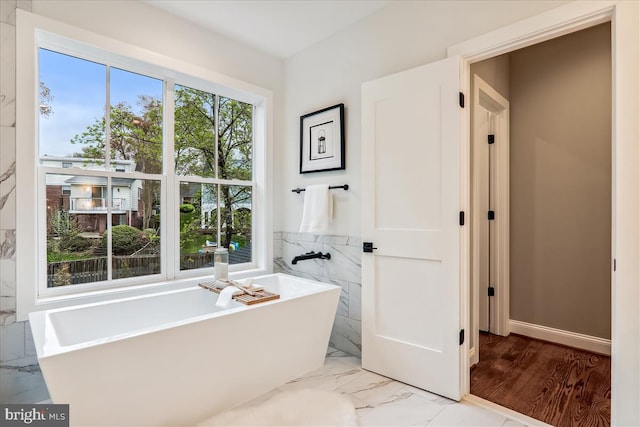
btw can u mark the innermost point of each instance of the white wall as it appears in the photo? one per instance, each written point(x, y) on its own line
point(400, 36)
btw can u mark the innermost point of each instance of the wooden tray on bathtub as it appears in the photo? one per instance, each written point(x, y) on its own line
point(260, 296)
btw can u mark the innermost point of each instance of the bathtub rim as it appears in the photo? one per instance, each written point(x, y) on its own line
point(42, 327)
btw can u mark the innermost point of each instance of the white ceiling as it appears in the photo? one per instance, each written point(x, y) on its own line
point(279, 27)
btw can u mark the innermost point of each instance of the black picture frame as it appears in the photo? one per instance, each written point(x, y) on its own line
point(322, 145)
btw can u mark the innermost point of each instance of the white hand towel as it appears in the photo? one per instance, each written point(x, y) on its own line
point(317, 210)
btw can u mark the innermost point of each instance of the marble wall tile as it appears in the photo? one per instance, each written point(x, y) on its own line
point(7, 278)
point(7, 75)
point(343, 269)
point(7, 178)
point(293, 248)
point(344, 263)
point(24, 5)
point(8, 11)
point(7, 244)
point(355, 301)
point(8, 298)
point(343, 304)
point(301, 237)
point(346, 335)
point(334, 240)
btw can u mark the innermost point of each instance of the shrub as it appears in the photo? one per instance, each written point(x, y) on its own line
point(62, 276)
point(150, 233)
point(73, 243)
point(187, 208)
point(126, 239)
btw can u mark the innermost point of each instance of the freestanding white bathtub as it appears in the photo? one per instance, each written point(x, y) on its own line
point(174, 358)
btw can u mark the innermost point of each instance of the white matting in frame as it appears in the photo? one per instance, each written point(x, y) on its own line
point(322, 140)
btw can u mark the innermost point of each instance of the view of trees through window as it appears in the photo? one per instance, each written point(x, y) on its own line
point(104, 220)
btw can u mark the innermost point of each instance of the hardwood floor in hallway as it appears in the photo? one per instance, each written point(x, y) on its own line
point(559, 385)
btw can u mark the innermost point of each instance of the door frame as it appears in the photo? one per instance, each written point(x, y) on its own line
point(625, 298)
point(500, 173)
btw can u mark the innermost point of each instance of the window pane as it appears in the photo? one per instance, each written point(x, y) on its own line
point(136, 227)
point(236, 222)
point(76, 221)
point(195, 152)
point(136, 121)
point(72, 105)
point(198, 219)
point(235, 139)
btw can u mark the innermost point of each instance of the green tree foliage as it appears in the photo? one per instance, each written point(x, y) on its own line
point(65, 226)
point(196, 142)
point(139, 138)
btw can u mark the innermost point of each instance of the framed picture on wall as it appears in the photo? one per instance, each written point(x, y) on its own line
point(322, 140)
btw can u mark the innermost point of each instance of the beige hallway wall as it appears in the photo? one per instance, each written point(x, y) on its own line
point(560, 95)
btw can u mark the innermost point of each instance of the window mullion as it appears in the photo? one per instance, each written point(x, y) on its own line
point(107, 160)
point(170, 191)
point(216, 124)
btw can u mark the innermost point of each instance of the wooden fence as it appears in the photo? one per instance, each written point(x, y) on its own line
point(95, 269)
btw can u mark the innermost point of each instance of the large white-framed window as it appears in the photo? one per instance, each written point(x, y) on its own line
point(142, 166)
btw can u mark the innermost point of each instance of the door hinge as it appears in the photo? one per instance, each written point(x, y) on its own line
point(461, 99)
point(461, 336)
point(491, 215)
point(491, 291)
point(614, 264)
point(491, 139)
point(461, 218)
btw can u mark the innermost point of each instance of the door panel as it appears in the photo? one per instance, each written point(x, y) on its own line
point(398, 315)
point(411, 282)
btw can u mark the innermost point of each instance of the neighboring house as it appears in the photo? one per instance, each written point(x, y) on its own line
point(86, 197)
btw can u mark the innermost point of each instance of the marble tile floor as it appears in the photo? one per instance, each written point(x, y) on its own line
point(380, 401)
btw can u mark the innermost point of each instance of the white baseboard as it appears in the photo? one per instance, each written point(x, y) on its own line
point(558, 336)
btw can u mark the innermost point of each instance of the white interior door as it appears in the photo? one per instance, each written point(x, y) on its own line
point(410, 212)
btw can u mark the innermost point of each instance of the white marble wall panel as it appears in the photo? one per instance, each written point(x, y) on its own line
point(7, 178)
point(346, 335)
point(7, 292)
point(292, 248)
point(8, 74)
point(344, 263)
point(343, 269)
point(7, 244)
point(8, 9)
point(355, 301)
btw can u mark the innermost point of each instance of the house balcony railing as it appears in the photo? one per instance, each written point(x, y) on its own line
point(84, 204)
